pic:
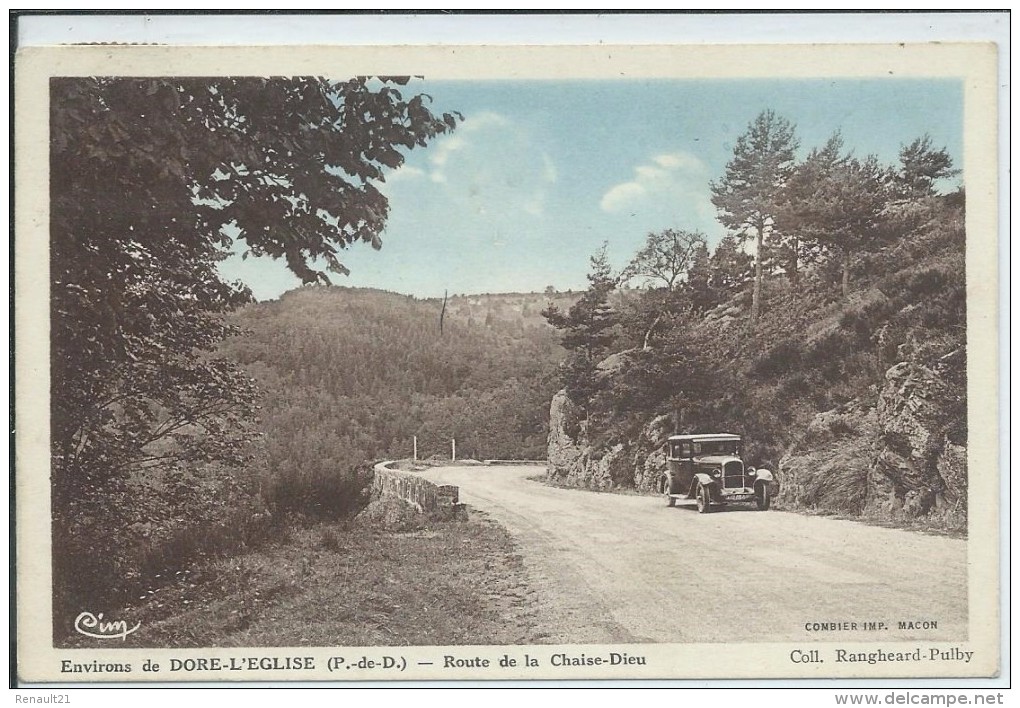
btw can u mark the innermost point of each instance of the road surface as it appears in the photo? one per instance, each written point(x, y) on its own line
point(614, 568)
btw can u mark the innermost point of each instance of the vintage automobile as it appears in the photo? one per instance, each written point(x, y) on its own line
point(709, 468)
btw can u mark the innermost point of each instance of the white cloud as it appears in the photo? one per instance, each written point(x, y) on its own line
point(482, 120)
point(666, 160)
point(647, 173)
point(678, 160)
point(618, 197)
point(674, 176)
point(449, 146)
point(468, 138)
point(444, 148)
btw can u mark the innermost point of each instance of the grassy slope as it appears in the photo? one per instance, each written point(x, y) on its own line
point(372, 583)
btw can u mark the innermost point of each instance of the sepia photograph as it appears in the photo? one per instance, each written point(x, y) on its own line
point(507, 363)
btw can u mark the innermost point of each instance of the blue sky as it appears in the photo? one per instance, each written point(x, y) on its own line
point(541, 173)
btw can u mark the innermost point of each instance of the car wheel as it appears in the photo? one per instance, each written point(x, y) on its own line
point(670, 501)
point(704, 500)
point(763, 497)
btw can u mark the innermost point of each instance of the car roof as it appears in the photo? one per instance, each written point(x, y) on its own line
point(707, 437)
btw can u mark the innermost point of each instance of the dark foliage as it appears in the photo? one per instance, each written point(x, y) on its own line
point(921, 168)
point(151, 181)
point(589, 329)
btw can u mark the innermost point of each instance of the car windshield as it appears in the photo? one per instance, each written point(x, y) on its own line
point(716, 447)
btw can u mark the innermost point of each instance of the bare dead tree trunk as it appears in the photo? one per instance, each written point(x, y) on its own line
point(794, 274)
point(442, 313)
point(648, 335)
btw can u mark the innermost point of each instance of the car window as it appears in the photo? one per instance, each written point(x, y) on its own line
point(717, 447)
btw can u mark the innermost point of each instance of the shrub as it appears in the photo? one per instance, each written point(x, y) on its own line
point(329, 539)
point(780, 359)
point(159, 522)
point(834, 480)
point(841, 427)
point(328, 494)
point(796, 384)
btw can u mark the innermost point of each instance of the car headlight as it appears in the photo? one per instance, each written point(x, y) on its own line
point(716, 473)
point(752, 471)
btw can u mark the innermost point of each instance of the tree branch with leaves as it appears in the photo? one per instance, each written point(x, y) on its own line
point(665, 260)
point(151, 182)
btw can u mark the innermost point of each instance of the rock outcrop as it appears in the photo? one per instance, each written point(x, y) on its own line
point(891, 459)
point(573, 462)
point(564, 457)
point(648, 458)
point(889, 456)
point(828, 469)
point(917, 469)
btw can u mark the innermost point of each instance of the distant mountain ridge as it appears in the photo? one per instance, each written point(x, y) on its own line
point(523, 309)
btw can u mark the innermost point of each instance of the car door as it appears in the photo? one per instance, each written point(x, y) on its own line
point(685, 467)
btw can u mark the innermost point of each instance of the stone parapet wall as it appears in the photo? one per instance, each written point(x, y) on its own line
point(425, 496)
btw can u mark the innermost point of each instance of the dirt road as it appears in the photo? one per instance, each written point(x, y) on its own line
point(627, 568)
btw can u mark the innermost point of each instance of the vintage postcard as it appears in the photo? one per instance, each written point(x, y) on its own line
point(507, 363)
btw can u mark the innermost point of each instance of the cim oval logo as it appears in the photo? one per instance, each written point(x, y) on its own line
point(94, 626)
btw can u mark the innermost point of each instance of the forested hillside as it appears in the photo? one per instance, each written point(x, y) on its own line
point(839, 352)
point(353, 375)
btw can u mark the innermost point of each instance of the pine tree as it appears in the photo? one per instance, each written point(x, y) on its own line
point(921, 166)
point(699, 281)
point(796, 246)
point(834, 204)
point(589, 330)
point(749, 195)
point(730, 267)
